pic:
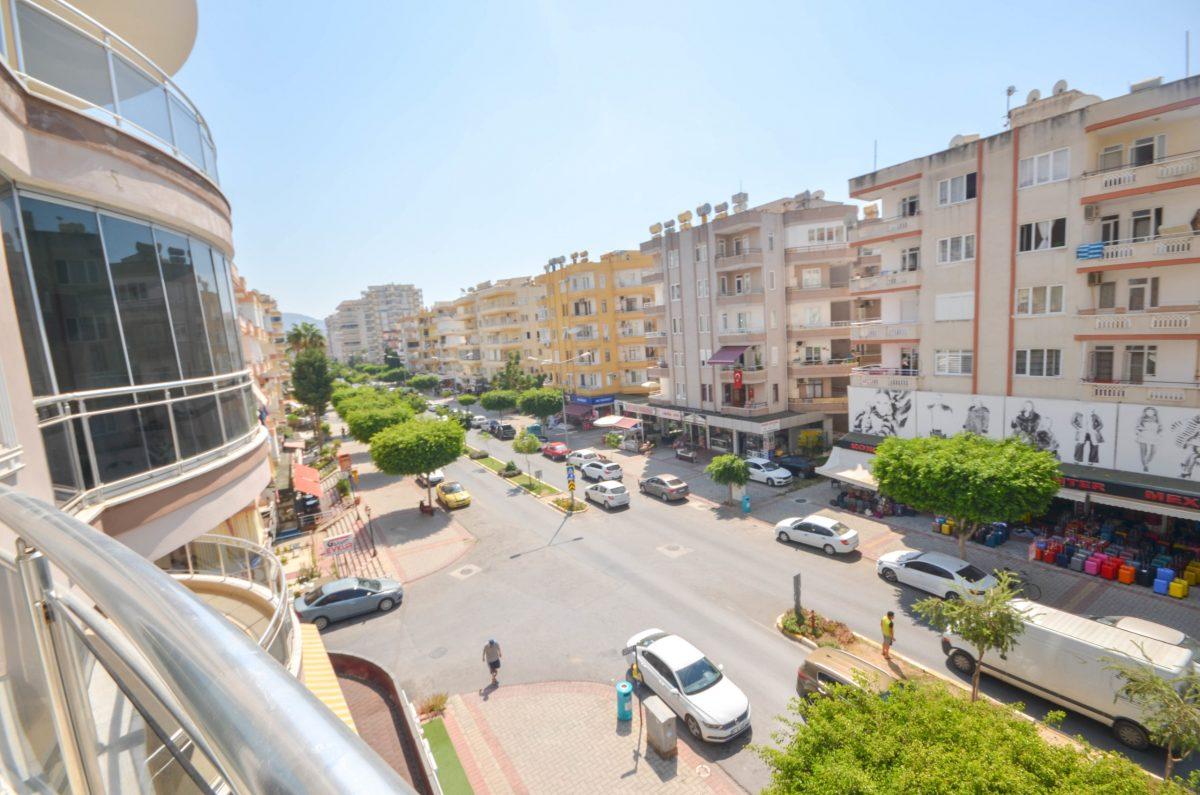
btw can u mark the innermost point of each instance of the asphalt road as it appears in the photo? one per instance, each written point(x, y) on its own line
point(562, 596)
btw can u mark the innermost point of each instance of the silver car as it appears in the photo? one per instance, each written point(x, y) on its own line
point(346, 598)
point(665, 487)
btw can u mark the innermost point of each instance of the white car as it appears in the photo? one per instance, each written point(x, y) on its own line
point(431, 478)
point(934, 572)
point(583, 456)
point(713, 708)
point(601, 470)
point(818, 531)
point(608, 493)
point(764, 471)
point(478, 421)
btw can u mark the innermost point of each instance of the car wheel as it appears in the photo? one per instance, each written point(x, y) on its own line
point(962, 662)
point(951, 596)
point(386, 605)
point(320, 622)
point(662, 495)
point(1131, 734)
point(889, 575)
point(693, 727)
point(784, 537)
point(829, 550)
point(770, 481)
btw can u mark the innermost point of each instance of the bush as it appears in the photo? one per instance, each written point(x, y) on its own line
point(475, 455)
point(432, 706)
point(510, 470)
point(613, 440)
point(446, 393)
point(566, 504)
point(466, 399)
point(825, 631)
point(343, 487)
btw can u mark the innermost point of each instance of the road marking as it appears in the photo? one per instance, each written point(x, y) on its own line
point(673, 550)
point(463, 572)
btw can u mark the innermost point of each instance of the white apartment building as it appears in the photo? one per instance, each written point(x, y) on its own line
point(392, 302)
point(1044, 282)
point(354, 332)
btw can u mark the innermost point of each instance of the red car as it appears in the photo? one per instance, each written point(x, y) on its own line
point(556, 451)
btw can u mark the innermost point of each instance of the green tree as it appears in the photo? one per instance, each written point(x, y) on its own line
point(1171, 709)
point(728, 470)
point(498, 400)
point(526, 444)
point(541, 402)
point(312, 383)
point(424, 382)
point(986, 622)
point(925, 738)
point(466, 399)
point(391, 359)
point(512, 377)
point(304, 337)
point(394, 375)
point(364, 423)
point(972, 479)
point(417, 447)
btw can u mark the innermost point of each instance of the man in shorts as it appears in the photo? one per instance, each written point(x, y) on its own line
point(888, 628)
point(491, 655)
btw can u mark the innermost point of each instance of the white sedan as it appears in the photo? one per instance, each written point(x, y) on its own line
point(934, 572)
point(712, 707)
point(609, 493)
point(818, 531)
point(765, 471)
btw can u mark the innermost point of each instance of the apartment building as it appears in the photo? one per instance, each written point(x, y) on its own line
point(354, 332)
point(264, 349)
point(757, 350)
point(599, 321)
point(391, 302)
point(1044, 282)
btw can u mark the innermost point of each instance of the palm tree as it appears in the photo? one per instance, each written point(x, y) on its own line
point(305, 336)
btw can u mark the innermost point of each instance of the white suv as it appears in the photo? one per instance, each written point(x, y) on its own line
point(764, 471)
point(601, 470)
point(584, 456)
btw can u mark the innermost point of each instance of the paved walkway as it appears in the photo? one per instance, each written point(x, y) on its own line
point(559, 737)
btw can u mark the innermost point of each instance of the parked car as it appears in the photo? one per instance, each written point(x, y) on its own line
point(765, 471)
point(665, 487)
point(451, 495)
point(583, 455)
point(825, 666)
point(713, 708)
point(346, 598)
point(934, 572)
point(556, 451)
point(818, 531)
point(609, 493)
point(601, 470)
point(479, 421)
point(505, 431)
point(798, 465)
point(307, 504)
point(431, 478)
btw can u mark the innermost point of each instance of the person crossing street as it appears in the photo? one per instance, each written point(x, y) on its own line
point(491, 655)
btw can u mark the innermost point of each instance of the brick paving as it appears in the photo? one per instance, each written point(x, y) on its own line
point(380, 725)
point(559, 737)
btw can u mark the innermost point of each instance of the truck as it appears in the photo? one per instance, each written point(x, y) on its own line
point(1065, 659)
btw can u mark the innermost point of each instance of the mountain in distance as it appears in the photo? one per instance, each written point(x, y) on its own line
point(292, 319)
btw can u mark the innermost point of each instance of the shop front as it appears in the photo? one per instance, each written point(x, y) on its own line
point(600, 405)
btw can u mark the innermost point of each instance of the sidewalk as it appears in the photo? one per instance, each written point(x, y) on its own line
point(557, 737)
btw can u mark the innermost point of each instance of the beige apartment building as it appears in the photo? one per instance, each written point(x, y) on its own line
point(264, 349)
point(1044, 282)
point(756, 321)
point(363, 328)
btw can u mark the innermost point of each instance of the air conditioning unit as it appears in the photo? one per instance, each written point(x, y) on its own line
point(1091, 212)
point(1095, 278)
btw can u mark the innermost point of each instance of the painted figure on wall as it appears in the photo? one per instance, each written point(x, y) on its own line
point(886, 414)
point(978, 418)
point(1088, 437)
point(1187, 438)
point(1035, 429)
point(1148, 433)
point(939, 415)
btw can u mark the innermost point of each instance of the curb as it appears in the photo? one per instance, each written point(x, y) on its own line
point(522, 488)
point(811, 645)
point(550, 501)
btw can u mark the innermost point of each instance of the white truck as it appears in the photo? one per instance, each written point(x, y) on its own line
point(1064, 658)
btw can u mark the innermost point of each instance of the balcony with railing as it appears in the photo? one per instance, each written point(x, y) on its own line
point(1163, 174)
point(655, 334)
point(819, 291)
point(745, 295)
point(832, 405)
point(749, 256)
point(751, 373)
point(653, 277)
point(659, 370)
point(818, 252)
point(880, 331)
point(885, 377)
point(836, 329)
point(1172, 393)
point(1134, 252)
point(752, 408)
point(741, 332)
point(881, 282)
point(1140, 323)
point(820, 368)
point(871, 231)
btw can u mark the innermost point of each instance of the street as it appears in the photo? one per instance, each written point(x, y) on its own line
point(562, 595)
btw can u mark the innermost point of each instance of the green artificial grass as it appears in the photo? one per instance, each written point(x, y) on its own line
point(450, 771)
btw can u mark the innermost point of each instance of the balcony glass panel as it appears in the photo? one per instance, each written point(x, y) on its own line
point(75, 296)
point(233, 412)
point(60, 57)
point(187, 133)
point(140, 300)
point(59, 441)
point(210, 305)
point(228, 311)
point(31, 335)
point(187, 317)
point(131, 442)
point(143, 101)
point(198, 426)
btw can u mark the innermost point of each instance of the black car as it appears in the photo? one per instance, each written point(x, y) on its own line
point(505, 431)
point(798, 465)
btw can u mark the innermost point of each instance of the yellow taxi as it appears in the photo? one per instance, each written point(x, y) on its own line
point(451, 495)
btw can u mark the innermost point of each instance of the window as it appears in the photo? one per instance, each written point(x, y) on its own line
point(909, 206)
point(676, 325)
point(702, 288)
point(676, 292)
point(703, 321)
point(1144, 151)
point(770, 241)
point(1042, 362)
point(678, 357)
point(1108, 295)
point(1046, 300)
point(810, 278)
point(953, 362)
point(706, 392)
point(680, 392)
point(1042, 235)
point(1110, 157)
point(956, 249)
point(774, 356)
point(774, 320)
point(954, 306)
point(700, 252)
point(721, 247)
point(673, 258)
point(1145, 223)
point(910, 259)
point(812, 316)
point(1047, 167)
point(957, 189)
point(774, 393)
point(826, 234)
point(812, 354)
point(1143, 293)
point(739, 245)
point(770, 280)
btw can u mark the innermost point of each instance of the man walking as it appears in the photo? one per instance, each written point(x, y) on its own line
point(888, 625)
point(491, 655)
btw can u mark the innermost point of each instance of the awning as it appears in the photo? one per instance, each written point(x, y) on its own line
point(306, 479)
point(727, 355)
point(579, 409)
point(850, 466)
point(617, 421)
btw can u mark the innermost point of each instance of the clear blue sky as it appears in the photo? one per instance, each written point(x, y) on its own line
point(367, 142)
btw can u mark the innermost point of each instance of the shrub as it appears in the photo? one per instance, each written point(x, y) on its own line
point(432, 706)
point(343, 487)
point(825, 631)
point(613, 440)
point(446, 393)
point(511, 470)
point(571, 507)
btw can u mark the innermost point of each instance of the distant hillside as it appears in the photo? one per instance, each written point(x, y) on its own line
point(291, 319)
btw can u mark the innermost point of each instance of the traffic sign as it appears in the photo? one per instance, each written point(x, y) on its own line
point(570, 473)
point(570, 485)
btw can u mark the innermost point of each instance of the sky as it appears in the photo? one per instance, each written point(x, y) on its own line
point(444, 144)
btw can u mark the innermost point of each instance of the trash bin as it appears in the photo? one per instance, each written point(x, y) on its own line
point(624, 696)
point(745, 503)
point(660, 727)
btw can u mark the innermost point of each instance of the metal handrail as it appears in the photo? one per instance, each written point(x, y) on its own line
point(219, 685)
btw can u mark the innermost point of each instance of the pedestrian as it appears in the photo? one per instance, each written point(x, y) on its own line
point(888, 625)
point(491, 655)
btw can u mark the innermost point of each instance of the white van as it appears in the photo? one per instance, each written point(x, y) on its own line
point(1064, 658)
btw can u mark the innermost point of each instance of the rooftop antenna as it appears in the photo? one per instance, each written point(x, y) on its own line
point(1008, 92)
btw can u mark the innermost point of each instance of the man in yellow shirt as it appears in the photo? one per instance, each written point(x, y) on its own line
point(888, 625)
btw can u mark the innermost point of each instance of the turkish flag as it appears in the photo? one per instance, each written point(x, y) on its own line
point(737, 378)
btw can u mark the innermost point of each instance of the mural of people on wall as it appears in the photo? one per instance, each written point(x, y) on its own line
point(885, 414)
point(940, 415)
point(978, 418)
point(1088, 437)
point(1187, 438)
point(1148, 433)
point(1034, 429)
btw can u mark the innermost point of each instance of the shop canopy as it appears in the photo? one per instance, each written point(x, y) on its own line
point(306, 479)
point(728, 354)
point(851, 467)
point(579, 409)
point(617, 421)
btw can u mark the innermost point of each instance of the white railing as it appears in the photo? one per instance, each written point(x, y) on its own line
point(870, 228)
point(740, 330)
point(1164, 170)
point(1144, 321)
point(879, 330)
point(884, 281)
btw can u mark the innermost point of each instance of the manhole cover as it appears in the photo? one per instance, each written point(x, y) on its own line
point(800, 500)
point(673, 550)
point(463, 572)
point(672, 547)
point(703, 771)
point(440, 651)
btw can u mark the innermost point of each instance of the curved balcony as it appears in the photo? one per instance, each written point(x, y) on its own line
point(886, 282)
point(245, 583)
point(879, 331)
point(67, 57)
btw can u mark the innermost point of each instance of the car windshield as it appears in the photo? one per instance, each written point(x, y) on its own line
point(452, 488)
point(970, 573)
point(698, 676)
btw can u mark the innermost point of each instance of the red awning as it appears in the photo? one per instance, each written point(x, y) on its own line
point(306, 479)
point(727, 355)
point(628, 423)
point(579, 409)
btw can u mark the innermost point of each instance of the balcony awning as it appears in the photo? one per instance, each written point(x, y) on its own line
point(729, 354)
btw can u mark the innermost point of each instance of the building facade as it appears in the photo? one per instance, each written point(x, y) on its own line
point(367, 327)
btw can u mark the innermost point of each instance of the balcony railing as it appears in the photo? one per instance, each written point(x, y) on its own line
point(885, 377)
point(746, 409)
point(733, 296)
point(818, 252)
point(1160, 172)
point(1144, 322)
point(877, 330)
point(654, 277)
point(1156, 249)
point(655, 335)
point(1180, 393)
point(829, 328)
point(822, 290)
point(886, 281)
point(815, 368)
point(116, 83)
point(871, 229)
point(831, 404)
point(740, 331)
point(747, 256)
point(121, 656)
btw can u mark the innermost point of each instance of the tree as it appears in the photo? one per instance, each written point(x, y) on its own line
point(926, 738)
point(498, 400)
point(424, 382)
point(312, 383)
point(1171, 709)
point(364, 423)
point(394, 375)
point(972, 479)
point(305, 337)
point(728, 470)
point(526, 444)
point(512, 377)
point(466, 399)
point(540, 402)
point(391, 359)
point(986, 622)
point(416, 447)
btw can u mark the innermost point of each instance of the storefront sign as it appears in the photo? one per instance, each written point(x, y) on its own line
point(599, 400)
point(637, 408)
point(769, 427)
point(337, 545)
point(670, 414)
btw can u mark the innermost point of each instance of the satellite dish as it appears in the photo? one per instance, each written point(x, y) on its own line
point(1033, 96)
point(723, 207)
point(704, 209)
point(956, 141)
point(818, 195)
point(669, 224)
point(656, 229)
point(684, 216)
point(1060, 87)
